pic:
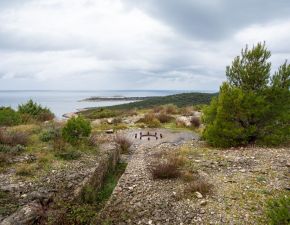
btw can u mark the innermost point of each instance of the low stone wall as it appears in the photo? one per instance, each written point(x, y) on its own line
point(39, 204)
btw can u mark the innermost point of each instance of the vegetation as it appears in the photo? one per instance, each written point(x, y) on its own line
point(150, 120)
point(195, 121)
point(76, 129)
point(278, 210)
point(9, 117)
point(35, 111)
point(123, 143)
point(84, 211)
point(252, 107)
point(179, 100)
point(13, 138)
point(166, 166)
point(199, 185)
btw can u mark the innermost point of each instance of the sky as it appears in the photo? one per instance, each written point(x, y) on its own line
point(133, 44)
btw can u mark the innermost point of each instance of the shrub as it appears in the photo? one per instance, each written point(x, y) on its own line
point(150, 120)
point(9, 117)
point(199, 185)
point(13, 138)
point(59, 144)
point(36, 111)
point(186, 111)
point(76, 129)
point(165, 167)
point(164, 118)
point(195, 121)
point(123, 143)
point(50, 134)
point(171, 109)
point(278, 210)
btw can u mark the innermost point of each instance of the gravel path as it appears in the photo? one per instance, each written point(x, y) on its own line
point(138, 199)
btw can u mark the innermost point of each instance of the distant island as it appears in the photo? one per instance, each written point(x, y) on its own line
point(114, 98)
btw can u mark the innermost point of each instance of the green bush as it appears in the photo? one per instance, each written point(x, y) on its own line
point(35, 111)
point(150, 120)
point(278, 211)
point(103, 113)
point(76, 129)
point(252, 107)
point(50, 134)
point(9, 117)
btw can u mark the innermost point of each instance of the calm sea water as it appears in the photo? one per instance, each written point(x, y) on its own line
point(61, 102)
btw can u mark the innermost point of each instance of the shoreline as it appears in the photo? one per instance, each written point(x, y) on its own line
point(115, 98)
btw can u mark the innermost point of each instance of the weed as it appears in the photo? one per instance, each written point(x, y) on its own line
point(123, 143)
point(278, 210)
point(25, 170)
point(199, 185)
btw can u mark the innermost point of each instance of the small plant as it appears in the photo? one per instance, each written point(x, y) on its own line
point(165, 167)
point(278, 211)
point(171, 109)
point(199, 185)
point(150, 120)
point(35, 111)
point(195, 121)
point(24, 170)
point(13, 138)
point(164, 118)
point(76, 129)
point(9, 117)
point(49, 134)
point(123, 143)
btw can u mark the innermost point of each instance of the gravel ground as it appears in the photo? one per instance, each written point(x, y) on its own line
point(243, 180)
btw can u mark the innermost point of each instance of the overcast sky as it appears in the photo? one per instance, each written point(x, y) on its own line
point(133, 44)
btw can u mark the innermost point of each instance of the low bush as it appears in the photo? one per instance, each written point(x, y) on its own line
point(9, 117)
point(4, 159)
point(35, 111)
point(165, 167)
point(123, 143)
point(58, 144)
point(195, 121)
point(171, 109)
point(186, 111)
point(278, 210)
point(76, 129)
point(199, 185)
point(25, 170)
point(50, 134)
point(13, 138)
point(150, 120)
point(164, 118)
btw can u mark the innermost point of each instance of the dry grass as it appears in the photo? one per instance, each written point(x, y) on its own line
point(150, 120)
point(199, 185)
point(13, 138)
point(164, 118)
point(166, 166)
point(123, 143)
point(25, 170)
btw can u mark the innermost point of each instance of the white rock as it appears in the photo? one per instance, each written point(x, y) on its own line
point(198, 195)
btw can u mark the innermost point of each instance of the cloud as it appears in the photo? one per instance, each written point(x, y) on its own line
point(126, 44)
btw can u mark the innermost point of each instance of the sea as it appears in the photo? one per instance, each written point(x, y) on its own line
point(61, 102)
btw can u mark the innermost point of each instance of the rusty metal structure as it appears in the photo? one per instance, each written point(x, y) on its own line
point(148, 135)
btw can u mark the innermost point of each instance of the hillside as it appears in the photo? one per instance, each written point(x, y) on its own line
point(180, 100)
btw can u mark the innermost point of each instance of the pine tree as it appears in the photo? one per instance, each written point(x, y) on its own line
point(252, 107)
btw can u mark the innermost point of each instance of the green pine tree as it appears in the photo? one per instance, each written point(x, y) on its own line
point(252, 107)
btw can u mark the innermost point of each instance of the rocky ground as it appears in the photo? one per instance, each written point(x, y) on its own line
point(243, 179)
point(61, 180)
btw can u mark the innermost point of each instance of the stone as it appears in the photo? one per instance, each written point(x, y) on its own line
point(203, 203)
point(198, 195)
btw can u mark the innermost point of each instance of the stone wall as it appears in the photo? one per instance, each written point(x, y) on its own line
point(39, 204)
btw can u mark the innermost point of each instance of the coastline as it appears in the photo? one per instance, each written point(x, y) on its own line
point(115, 98)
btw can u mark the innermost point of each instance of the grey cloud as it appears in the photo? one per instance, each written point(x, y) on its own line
point(212, 19)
